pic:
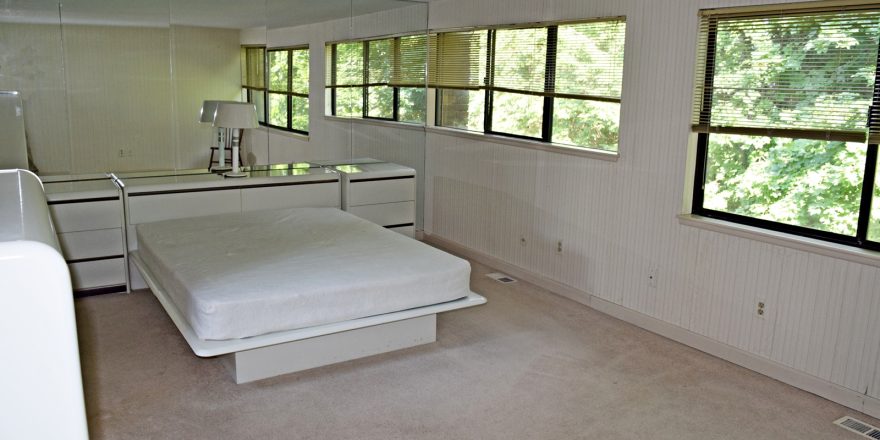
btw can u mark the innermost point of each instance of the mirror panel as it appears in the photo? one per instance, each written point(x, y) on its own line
point(118, 85)
point(31, 63)
point(206, 39)
point(117, 62)
point(293, 25)
point(396, 55)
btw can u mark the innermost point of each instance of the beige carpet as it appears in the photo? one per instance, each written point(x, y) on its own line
point(528, 365)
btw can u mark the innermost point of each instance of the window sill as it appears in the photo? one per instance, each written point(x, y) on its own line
point(834, 250)
point(285, 133)
point(377, 122)
point(610, 156)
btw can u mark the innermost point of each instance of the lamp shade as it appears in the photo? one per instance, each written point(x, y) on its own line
point(207, 112)
point(236, 115)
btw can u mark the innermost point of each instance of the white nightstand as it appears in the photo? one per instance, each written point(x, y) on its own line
point(88, 217)
point(381, 192)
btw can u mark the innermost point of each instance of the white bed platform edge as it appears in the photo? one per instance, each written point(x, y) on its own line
point(273, 354)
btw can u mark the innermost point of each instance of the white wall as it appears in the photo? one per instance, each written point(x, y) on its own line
point(618, 219)
point(91, 91)
point(337, 138)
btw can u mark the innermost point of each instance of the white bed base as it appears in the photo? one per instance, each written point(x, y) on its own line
point(273, 354)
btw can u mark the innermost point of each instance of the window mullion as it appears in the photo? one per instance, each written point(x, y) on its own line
point(365, 89)
point(549, 84)
point(333, 59)
point(867, 194)
point(289, 89)
point(489, 80)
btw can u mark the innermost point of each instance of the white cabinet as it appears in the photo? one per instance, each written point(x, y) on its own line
point(88, 218)
point(381, 192)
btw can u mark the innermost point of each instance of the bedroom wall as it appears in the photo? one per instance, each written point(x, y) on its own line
point(339, 138)
point(91, 91)
point(618, 220)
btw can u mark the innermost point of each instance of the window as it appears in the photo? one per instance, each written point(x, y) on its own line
point(559, 84)
point(253, 74)
point(287, 106)
point(378, 79)
point(781, 106)
point(277, 82)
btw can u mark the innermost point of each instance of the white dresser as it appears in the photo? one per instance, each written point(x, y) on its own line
point(88, 217)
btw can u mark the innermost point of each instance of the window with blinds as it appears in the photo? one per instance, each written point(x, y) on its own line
point(558, 83)
point(785, 112)
point(287, 104)
point(253, 83)
point(381, 78)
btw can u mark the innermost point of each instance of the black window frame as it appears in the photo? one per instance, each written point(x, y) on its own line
point(548, 109)
point(289, 93)
point(860, 240)
point(365, 88)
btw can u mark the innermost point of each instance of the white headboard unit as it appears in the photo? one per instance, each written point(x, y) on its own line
point(42, 388)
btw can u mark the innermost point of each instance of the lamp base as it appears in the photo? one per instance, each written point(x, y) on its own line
point(238, 174)
point(221, 169)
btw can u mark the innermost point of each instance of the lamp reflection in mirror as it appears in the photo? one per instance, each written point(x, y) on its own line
point(218, 138)
point(235, 116)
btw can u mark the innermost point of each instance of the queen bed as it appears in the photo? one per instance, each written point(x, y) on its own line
point(292, 289)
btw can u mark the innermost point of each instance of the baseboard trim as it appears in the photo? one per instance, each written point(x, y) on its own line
point(798, 379)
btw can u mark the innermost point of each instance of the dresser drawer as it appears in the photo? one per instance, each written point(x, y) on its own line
point(386, 214)
point(86, 216)
point(91, 244)
point(157, 207)
point(291, 196)
point(90, 274)
point(381, 191)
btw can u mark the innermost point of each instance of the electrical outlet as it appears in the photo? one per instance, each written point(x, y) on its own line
point(652, 277)
point(559, 247)
point(761, 309)
point(125, 153)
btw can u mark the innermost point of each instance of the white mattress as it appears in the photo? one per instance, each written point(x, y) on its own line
point(240, 275)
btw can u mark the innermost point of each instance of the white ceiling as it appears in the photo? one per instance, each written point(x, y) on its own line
point(236, 14)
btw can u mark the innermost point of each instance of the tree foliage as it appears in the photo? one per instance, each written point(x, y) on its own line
point(784, 74)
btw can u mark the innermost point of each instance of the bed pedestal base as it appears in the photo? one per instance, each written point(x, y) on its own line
point(289, 357)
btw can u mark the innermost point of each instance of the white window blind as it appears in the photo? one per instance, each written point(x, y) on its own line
point(807, 74)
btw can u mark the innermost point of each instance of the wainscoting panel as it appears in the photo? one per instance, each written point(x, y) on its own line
point(618, 220)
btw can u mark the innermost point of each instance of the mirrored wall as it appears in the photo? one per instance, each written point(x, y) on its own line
point(117, 85)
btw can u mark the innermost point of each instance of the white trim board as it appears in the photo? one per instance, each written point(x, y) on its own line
point(799, 379)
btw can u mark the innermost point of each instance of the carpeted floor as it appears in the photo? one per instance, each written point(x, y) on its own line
point(527, 365)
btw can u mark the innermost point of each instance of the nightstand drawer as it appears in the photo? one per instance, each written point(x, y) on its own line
point(91, 244)
point(381, 191)
point(90, 274)
point(386, 214)
point(86, 216)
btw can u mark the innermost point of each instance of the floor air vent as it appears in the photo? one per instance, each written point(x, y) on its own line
point(500, 277)
point(859, 427)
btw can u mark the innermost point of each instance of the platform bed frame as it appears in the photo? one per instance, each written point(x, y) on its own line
point(273, 354)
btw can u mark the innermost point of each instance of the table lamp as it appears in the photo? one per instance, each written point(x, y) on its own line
point(235, 116)
point(218, 139)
